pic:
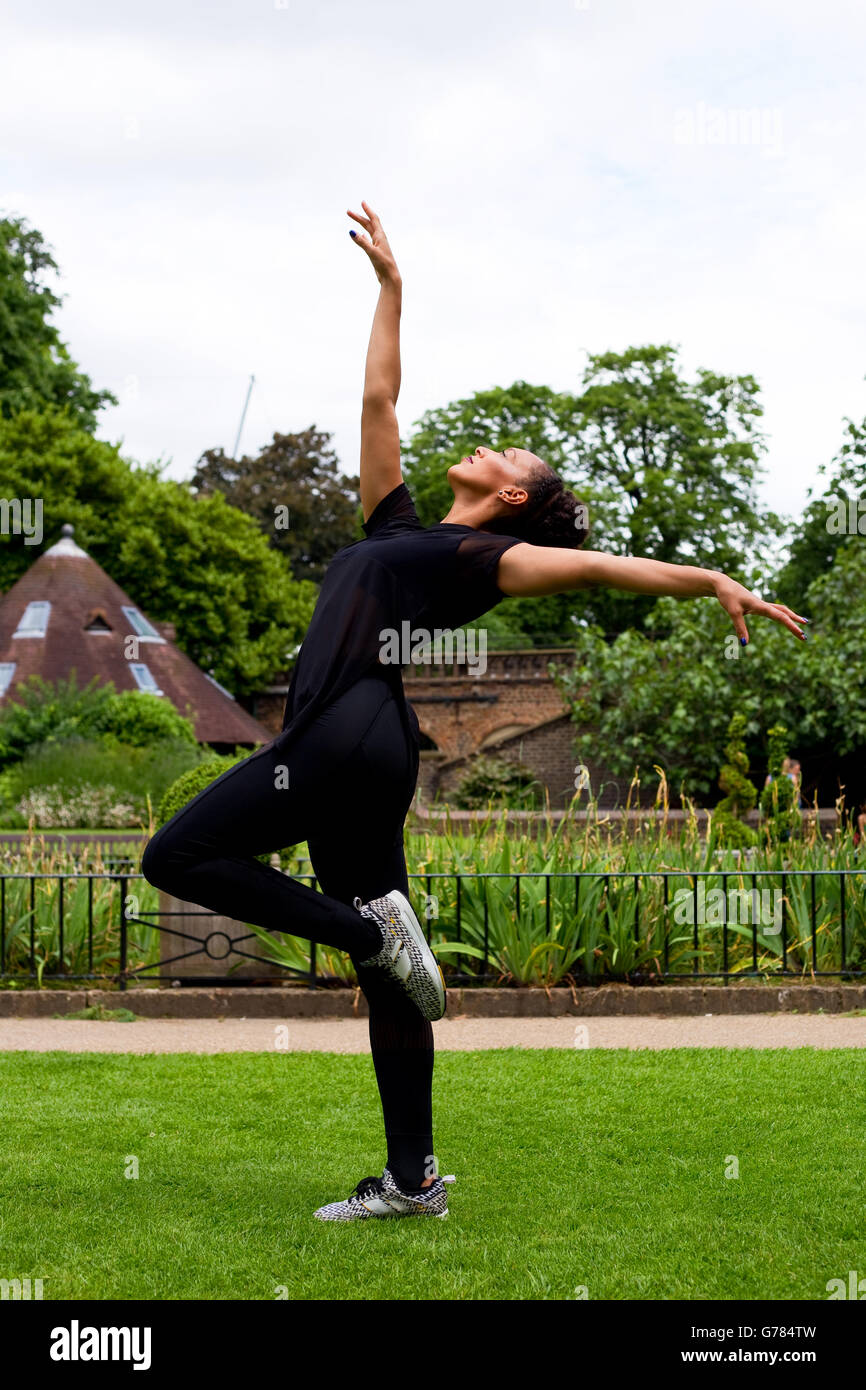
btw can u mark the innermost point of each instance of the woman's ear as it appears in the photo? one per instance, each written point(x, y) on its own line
point(514, 496)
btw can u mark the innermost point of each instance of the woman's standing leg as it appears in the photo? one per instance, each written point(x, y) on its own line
point(363, 853)
point(401, 1039)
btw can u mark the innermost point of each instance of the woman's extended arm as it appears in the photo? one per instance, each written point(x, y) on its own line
point(527, 570)
point(380, 435)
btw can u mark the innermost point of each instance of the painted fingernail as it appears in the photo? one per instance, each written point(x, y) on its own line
point(352, 232)
point(742, 641)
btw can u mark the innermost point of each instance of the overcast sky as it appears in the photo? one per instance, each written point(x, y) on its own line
point(556, 178)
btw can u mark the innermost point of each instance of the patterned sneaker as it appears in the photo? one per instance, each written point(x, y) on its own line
point(382, 1197)
point(405, 955)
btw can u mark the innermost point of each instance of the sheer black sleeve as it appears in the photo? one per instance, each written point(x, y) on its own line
point(393, 514)
point(477, 559)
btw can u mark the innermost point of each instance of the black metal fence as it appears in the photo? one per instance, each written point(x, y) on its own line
point(584, 926)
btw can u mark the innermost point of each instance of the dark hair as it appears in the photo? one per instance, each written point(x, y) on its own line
point(551, 516)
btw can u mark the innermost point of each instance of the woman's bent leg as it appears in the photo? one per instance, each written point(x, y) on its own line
point(206, 853)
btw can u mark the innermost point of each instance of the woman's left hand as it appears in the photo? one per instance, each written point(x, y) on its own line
point(376, 246)
point(739, 601)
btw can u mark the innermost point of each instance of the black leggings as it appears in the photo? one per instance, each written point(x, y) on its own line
point(345, 787)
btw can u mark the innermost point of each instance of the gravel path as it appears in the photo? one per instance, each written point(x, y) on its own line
point(452, 1035)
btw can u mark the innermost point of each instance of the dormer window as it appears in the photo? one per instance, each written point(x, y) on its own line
point(97, 622)
point(140, 626)
point(7, 671)
point(143, 677)
point(34, 620)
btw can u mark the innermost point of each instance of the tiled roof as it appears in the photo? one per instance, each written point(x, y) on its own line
point(81, 594)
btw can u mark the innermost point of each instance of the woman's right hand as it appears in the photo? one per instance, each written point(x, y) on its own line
point(738, 601)
point(376, 245)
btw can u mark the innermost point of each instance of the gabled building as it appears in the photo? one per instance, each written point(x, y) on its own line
point(66, 613)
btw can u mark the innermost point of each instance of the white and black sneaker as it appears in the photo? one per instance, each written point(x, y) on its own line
point(381, 1197)
point(405, 955)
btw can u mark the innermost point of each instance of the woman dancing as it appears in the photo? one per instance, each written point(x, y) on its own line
point(342, 771)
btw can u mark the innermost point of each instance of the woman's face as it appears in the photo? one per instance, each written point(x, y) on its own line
point(490, 471)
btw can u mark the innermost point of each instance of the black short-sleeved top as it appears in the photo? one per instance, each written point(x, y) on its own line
point(433, 576)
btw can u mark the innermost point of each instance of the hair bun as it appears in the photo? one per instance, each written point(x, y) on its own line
point(550, 516)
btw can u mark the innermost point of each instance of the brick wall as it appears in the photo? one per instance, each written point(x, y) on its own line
point(460, 712)
point(457, 710)
point(548, 750)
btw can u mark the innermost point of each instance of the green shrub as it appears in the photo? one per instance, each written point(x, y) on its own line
point(190, 783)
point(43, 712)
point(136, 719)
point(83, 783)
point(58, 807)
point(779, 799)
point(491, 779)
point(54, 713)
point(730, 829)
point(193, 781)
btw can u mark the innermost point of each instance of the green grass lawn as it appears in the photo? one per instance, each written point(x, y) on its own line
point(575, 1168)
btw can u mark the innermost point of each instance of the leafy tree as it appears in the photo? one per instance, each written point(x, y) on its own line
point(49, 460)
point(295, 479)
point(668, 701)
point(679, 457)
point(834, 688)
point(741, 795)
point(36, 369)
point(194, 561)
point(831, 521)
point(673, 463)
point(547, 621)
point(207, 567)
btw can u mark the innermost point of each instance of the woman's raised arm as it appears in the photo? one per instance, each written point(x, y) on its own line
point(527, 570)
point(380, 435)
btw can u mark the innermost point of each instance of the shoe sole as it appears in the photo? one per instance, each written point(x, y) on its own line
point(347, 1220)
point(411, 923)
